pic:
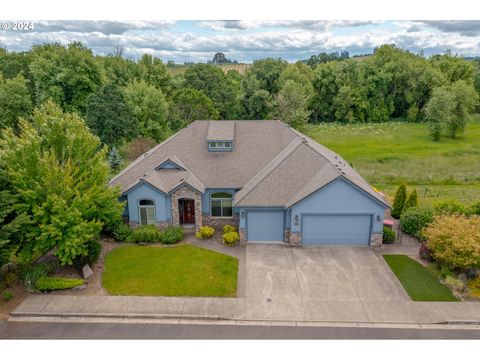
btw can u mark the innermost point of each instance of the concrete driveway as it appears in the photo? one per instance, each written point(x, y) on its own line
point(319, 283)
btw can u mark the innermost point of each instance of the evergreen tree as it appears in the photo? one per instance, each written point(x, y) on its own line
point(411, 201)
point(399, 201)
point(115, 159)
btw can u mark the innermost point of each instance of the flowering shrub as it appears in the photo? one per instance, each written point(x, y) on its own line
point(454, 241)
point(205, 232)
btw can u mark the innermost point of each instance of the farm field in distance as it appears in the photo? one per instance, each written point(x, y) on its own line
point(387, 154)
point(240, 68)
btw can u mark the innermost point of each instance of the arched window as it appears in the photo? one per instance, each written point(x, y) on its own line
point(221, 204)
point(146, 211)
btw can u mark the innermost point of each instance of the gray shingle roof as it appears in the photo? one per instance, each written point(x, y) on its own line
point(272, 164)
point(221, 130)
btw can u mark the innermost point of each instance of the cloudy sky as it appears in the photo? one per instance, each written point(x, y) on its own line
point(245, 41)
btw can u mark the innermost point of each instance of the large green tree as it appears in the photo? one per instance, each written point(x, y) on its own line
point(150, 108)
point(438, 111)
point(291, 105)
point(67, 75)
point(154, 72)
point(14, 100)
point(219, 88)
point(109, 116)
point(465, 99)
point(58, 172)
point(188, 105)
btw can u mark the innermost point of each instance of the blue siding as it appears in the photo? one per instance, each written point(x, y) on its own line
point(146, 191)
point(336, 229)
point(206, 199)
point(265, 225)
point(339, 197)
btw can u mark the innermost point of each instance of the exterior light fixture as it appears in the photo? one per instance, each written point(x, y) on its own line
point(378, 218)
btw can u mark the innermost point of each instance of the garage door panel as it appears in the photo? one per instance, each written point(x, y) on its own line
point(336, 229)
point(265, 225)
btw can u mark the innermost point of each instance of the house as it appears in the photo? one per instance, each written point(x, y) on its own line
point(272, 182)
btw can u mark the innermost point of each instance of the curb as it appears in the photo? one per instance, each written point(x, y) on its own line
point(217, 320)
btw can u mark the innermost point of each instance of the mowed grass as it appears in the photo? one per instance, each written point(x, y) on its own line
point(182, 270)
point(418, 282)
point(390, 153)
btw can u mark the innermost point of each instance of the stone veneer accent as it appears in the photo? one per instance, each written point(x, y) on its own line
point(243, 236)
point(295, 238)
point(219, 223)
point(187, 193)
point(286, 236)
point(376, 240)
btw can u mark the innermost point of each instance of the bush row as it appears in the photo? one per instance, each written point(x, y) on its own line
point(151, 234)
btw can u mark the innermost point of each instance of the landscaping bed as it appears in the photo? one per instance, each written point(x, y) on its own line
point(182, 270)
point(417, 281)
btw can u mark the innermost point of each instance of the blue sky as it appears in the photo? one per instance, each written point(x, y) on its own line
point(248, 40)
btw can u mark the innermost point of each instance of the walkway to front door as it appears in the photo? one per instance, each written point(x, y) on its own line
point(186, 208)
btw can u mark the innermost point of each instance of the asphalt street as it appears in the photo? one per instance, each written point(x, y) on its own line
point(63, 330)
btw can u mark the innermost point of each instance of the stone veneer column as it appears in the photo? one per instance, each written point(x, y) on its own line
point(243, 236)
point(376, 240)
point(185, 192)
point(295, 238)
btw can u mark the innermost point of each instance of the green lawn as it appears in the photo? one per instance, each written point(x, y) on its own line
point(389, 153)
point(182, 270)
point(419, 283)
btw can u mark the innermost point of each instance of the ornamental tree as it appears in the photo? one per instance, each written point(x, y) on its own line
point(399, 201)
point(58, 172)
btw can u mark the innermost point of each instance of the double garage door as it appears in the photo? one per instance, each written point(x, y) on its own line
point(268, 226)
point(336, 229)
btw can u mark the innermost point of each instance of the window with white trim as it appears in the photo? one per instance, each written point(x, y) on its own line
point(220, 145)
point(221, 204)
point(146, 211)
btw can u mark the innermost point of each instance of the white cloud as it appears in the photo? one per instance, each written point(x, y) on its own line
point(290, 40)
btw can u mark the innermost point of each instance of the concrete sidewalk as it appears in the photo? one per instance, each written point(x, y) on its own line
point(131, 307)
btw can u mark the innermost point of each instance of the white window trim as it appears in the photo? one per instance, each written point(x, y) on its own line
point(146, 207)
point(221, 206)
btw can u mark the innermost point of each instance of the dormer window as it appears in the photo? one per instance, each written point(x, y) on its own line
point(220, 146)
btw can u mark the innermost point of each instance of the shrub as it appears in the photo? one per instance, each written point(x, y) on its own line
point(454, 241)
point(228, 228)
point(388, 235)
point(231, 238)
point(145, 233)
point(413, 220)
point(474, 209)
point(172, 235)
point(424, 252)
point(7, 295)
point(399, 201)
point(449, 207)
point(121, 232)
point(56, 283)
point(474, 287)
point(205, 232)
point(411, 201)
point(10, 279)
point(454, 283)
point(32, 273)
point(93, 253)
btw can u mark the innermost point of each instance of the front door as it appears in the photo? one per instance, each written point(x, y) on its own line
point(187, 211)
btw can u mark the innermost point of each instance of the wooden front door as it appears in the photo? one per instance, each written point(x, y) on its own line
point(187, 211)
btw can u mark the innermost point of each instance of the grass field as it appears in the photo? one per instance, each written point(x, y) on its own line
point(390, 153)
point(418, 282)
point(182, 270)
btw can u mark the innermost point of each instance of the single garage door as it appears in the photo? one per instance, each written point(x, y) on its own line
point(264, 225)
point(336, 229)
